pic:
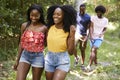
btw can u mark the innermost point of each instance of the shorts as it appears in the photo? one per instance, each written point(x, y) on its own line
point(35, 59)
point(60, 60)
point(96, 42)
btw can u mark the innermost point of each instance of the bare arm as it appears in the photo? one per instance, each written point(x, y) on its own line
point(104, 30)
point(46, 33)
point(19, 48)
point(88, 29)
point(87, 33)
point(71, 40)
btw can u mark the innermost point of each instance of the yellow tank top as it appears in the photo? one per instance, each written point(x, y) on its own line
point(56, 40)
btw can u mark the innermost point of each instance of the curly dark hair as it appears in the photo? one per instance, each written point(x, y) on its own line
point(100, 8)
point(39, 9)
point(68, 19)
point(82, 5)
point(50, 12)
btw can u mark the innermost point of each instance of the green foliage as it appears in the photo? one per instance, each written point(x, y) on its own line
point(112, 7)
point(8, 48)
point(12, 15)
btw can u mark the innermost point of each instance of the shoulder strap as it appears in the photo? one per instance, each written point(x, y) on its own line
point(27, 25)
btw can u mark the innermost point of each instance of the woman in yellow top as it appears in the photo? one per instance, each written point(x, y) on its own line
point(60, 41)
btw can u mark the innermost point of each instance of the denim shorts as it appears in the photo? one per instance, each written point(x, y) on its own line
point(55, 61)
point(96, 42)
point(35, 59)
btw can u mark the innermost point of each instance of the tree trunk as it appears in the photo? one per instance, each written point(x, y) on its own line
point(78, 3)
point(95, 2)
point(21, 3)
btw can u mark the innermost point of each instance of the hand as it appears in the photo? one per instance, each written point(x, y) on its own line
point(15, 65)
point(85, 38)
point(91, 38)
point(101, 35)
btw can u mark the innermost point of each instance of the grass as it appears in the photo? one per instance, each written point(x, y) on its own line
point(108, 56)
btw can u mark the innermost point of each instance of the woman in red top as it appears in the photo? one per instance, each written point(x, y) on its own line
point(31, 45)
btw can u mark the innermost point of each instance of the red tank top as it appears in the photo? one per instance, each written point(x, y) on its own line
point(32, 41)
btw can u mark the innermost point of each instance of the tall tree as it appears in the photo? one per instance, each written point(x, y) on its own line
point(77, 4)
point(21, 3)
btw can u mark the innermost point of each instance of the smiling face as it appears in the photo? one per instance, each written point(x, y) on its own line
point(58, 16)
point(34, 16)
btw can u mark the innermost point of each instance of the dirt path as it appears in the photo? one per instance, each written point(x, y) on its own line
point(98, 73)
